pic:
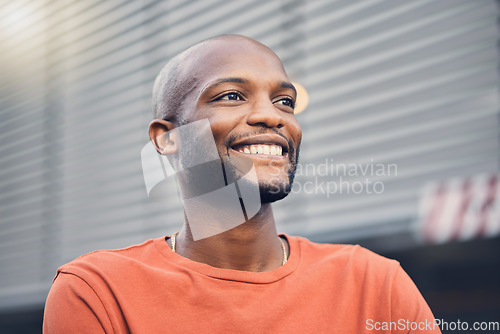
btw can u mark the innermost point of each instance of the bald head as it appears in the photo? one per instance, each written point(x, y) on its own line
point(179, 76)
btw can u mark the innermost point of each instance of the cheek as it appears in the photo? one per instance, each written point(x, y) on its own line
point(222, 124)
point(295, 131)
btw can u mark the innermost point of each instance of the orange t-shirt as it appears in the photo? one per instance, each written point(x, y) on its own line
point(148, 288)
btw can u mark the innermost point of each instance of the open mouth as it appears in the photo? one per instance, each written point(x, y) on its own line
point(266, 149)
point(262, 145)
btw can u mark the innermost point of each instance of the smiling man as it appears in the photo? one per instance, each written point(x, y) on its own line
point(241, 87)
point(244, 279)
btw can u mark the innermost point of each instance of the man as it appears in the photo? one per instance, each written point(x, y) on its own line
point(243, 278)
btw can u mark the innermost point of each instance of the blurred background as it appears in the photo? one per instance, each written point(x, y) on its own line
point(402, 125)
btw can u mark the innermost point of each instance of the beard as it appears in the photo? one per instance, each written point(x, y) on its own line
point(272, 192)
point(198, 178)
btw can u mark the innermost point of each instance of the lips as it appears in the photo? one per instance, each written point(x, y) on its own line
point(269, 145)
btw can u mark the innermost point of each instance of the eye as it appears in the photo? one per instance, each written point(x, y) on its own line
point(230, 97)
point(288, 102)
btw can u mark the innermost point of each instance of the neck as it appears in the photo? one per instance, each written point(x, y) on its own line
point(251, 246)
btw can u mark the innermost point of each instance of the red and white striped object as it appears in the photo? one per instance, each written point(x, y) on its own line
point(460, 209)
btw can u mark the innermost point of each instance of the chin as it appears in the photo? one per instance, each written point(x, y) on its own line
point(270, 193)
point(277, 189)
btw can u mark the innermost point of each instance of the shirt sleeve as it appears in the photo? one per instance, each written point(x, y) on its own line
point(72, 306)
point(409, 309)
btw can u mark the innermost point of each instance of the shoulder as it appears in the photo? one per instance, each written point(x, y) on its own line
point(105, 262)
point(342, 252)
point(87, 292)
point(353, 259)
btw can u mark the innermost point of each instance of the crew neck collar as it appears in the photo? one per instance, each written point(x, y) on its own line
point(231, 274)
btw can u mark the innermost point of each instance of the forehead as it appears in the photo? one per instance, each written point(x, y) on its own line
point(234, 58)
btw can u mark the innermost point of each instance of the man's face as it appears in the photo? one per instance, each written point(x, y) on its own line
point(242, 89)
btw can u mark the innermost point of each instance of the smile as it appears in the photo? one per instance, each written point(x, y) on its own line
point(266, 149)
point(269, 145)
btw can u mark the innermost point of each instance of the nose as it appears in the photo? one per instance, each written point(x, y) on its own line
point(265, 114)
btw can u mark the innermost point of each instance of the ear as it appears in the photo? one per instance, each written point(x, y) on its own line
point(164, 142)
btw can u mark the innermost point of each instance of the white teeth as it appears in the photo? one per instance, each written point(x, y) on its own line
point(266, 149)
point(273, 150)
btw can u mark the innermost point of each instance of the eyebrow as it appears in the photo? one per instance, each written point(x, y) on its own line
point(288, 85)
point(224, 80)
point(283, 84)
